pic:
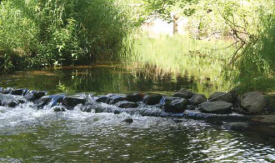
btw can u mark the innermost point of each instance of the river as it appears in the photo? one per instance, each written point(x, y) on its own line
point(30, 135)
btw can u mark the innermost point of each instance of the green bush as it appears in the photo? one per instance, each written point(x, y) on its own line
point(49, 32)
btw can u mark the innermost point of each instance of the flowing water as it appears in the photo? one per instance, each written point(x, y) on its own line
point(29, 135)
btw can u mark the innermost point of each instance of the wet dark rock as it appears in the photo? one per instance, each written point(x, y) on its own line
point(253, 102)
point(236, 126)
point(219, 107)
point(102, 99)
point(152, 99)
point(39, 94)
point(1, 89)
point(212, 117)
point(128, 120)
point(12, 104)
point(6, 91)
point(135, 97)
point(19, 92)
point(184, 93)
point(126, 104)
point(197, 99)
point(221, 96)
point(71, 102)
point(21, 101)
point(176, 105)
point(45, 100)
point(1, 104)
point(116, 112)
point(116, 98)
point(59, 109)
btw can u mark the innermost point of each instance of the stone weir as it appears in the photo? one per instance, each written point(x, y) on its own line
point(245, 112)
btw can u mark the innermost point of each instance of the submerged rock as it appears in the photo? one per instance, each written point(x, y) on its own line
point(219, 107)
point(253, 102)
point(128, 120)
point(236, 126)
point(7, 91)
point(126, 104)
point(152, 99)
point(135, 97)
point(197, 99)
point(59, 109)
point(175, 105)
point(184, 93)
point(221, 96)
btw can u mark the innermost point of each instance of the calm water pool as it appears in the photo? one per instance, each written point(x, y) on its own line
point(29, 135)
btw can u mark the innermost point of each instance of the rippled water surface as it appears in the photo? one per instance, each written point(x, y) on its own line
point(29, 135)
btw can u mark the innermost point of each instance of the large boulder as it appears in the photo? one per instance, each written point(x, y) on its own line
point(126, 104)
point(197, 99)
point(152, 99)
point(253, 102)
point(219, 107)
point(175, 105)
point(221, 96)
point(135, 97)
point(184, 93)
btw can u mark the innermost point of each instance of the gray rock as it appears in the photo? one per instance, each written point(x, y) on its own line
point(184, 93)
point(176, 105)
point(236, 126)
point(126, 104)
point(135, 97)
point(221, 96)
point(198, 99)
point(219, 107)
point(253, 102)
point(152, 99)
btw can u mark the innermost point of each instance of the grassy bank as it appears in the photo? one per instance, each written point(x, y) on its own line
point(200, 59)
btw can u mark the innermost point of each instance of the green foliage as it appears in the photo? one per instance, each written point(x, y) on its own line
point(53, 32)
point(199, 59)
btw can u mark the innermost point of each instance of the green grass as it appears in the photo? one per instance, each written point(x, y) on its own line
point(181, 55)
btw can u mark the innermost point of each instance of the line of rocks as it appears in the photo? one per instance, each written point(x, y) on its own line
point(220, 106)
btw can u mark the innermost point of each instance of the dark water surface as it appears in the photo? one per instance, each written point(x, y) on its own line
point(29, 135)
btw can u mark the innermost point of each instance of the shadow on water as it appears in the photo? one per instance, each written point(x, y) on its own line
point(102, 79)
